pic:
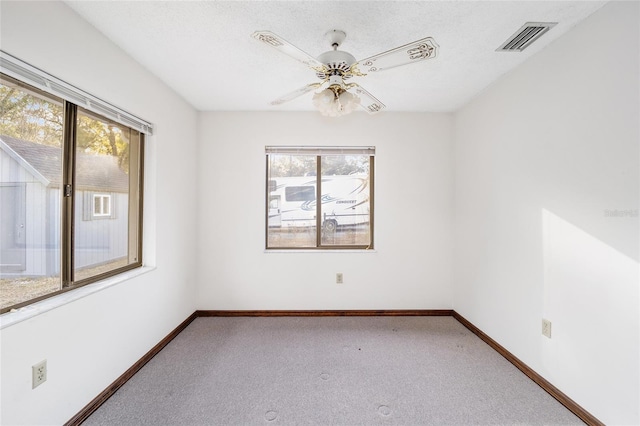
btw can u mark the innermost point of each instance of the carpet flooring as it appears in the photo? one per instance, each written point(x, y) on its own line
point(329, 371)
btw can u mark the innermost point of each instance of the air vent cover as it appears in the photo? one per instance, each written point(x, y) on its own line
point(530, 32)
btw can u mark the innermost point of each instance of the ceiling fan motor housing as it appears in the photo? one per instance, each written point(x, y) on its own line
point(338, 62)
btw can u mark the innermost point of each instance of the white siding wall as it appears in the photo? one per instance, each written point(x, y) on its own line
point(12, 171)
point(36, 228)
point(35, 215)
point(53, 227)
point(101, 240)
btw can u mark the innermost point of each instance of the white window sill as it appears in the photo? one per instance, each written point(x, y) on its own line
point(320, 251)
point(22, 314)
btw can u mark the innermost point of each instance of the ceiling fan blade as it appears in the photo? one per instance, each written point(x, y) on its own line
point(277, 42)
point(417, 51)
point(296, 93)
point(367, 100)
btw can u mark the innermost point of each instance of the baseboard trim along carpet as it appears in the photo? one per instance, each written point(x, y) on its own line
point(368, 313)
point(563, 399)
point(113, 387)
point(571, 405)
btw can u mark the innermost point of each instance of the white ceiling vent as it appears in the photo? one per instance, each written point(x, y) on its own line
point(530, 32)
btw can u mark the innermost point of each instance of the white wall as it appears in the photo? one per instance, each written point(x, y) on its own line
point(411, 265)
point(542, 158)
point(90, 342)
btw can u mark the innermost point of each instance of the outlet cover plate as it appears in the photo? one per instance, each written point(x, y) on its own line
point(546, 328)
point(39, 374)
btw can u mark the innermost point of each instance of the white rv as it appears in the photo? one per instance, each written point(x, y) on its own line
point(345, 201)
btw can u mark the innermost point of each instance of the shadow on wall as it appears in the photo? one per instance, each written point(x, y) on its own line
point(591, 296)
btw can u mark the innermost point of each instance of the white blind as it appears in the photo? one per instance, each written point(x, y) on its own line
point(33, 76)
point(321, 150)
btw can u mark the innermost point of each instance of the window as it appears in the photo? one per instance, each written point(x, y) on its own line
point(340, 178)
point(101, 205)
point(300, 193)
point(62, 167)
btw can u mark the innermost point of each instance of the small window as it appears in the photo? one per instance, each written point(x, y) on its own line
point(101, 205)
point(340, 178)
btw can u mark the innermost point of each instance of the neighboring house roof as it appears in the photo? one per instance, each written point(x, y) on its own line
point(93, 172)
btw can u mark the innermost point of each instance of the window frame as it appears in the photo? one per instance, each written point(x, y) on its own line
point(102, 197)
point(69, 197)
point(319, 152)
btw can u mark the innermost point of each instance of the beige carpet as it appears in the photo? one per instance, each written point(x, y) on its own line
point(329, 371)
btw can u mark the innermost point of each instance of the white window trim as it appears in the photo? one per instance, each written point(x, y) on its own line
point(102, 212)
point(324, 150)
point(27, 312)
point(317, 151)
point(316, 251)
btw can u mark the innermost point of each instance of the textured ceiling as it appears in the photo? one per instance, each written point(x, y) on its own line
point(203, 49)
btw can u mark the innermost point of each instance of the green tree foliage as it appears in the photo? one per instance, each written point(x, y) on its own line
point(344, 164)
point(30, 118)
point(40, 120)
point(100, 137)
point(284, 165)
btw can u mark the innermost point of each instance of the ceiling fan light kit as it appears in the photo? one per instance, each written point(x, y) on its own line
point(333, 97)
point(335, 102)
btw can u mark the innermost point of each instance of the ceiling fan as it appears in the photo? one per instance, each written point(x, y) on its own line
point(335, 97)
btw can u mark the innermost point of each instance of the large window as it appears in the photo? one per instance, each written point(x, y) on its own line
point(319, 198)
point(70, 195)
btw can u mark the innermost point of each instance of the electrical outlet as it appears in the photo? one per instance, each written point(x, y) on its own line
point(39, 374)
point(546, 328)
point(339, 278)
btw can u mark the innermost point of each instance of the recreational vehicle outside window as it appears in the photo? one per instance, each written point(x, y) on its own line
point(299, 193)
point(60, 166)
point(340, 178)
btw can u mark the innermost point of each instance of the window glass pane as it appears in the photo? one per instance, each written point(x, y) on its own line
point(101, 205)
point(102, 165)
point(345, 200)
point(291, 201)
point(96, 205)
point(106, 205)
point(300, 193)
point(30, 185)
